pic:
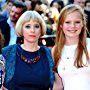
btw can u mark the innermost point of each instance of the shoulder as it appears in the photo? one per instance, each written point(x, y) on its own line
point(48, 51)
point(2, 18)
point(9, 47)
point(45, 49)
point(8, 50)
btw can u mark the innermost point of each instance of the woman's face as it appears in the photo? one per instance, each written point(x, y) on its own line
point(31, 31)
point(72, 25)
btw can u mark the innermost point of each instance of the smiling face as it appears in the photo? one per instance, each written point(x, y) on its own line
point(31, 31)
point(72, 25)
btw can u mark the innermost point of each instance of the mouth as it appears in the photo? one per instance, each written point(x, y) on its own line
point(72, 31)
point(32, 35)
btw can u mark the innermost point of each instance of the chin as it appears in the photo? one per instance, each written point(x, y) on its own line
point(72, 36)
point(32, 41)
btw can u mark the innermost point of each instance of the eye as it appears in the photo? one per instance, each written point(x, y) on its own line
point(37, 26)
point(67, 22)
point(77, 22)
point(28, 27)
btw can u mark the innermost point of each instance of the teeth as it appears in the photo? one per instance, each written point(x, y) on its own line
point(72, 31)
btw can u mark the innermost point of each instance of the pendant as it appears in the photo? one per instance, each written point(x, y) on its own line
point(67, 57)
point(30, 61)
point(63, 68)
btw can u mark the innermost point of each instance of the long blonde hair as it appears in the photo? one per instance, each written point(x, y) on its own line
point(60, 37)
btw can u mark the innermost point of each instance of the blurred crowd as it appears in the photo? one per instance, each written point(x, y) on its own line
point(11, 10)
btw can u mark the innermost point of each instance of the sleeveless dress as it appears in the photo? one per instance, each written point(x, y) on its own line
point(74, 78)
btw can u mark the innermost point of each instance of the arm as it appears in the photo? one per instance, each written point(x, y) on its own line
point(58, 85)
point(2, 62)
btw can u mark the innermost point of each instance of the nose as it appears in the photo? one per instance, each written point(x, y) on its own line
point(32, 29)
point(73, 24)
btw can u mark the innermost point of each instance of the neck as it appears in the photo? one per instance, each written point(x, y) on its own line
point(30, 47)
point(71, 41)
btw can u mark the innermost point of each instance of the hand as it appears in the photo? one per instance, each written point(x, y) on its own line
point(58, 85)
point(3, 88)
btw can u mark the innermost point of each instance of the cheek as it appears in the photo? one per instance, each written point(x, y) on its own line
point(25, 34)
point(39, 34)
point(79, 27)
point(24, 31)
point(66, 26)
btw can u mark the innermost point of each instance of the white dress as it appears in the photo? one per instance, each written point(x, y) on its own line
point(73, 78)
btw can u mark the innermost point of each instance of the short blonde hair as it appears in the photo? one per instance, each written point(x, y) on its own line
point(26, 17)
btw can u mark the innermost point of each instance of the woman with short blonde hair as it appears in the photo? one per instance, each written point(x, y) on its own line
point(28, 66)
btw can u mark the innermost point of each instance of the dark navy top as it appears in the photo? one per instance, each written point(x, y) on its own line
point(30, 76)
